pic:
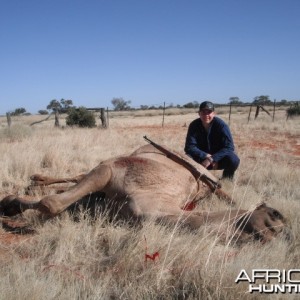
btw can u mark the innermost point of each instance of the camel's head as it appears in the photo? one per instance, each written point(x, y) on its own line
point(263, 223)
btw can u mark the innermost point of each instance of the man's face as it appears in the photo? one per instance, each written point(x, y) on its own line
point(206, 116)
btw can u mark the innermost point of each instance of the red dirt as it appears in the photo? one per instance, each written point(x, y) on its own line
point(290, 146)
point(274, 142)
point(8, 238)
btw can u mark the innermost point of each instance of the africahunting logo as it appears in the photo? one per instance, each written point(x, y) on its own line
point(271, 281)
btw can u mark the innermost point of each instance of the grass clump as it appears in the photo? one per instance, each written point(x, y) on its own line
point(17, 132)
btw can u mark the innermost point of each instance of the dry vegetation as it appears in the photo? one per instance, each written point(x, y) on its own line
point(101, 260)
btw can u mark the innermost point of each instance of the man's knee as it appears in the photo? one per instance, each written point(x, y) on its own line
point(230, 161)
point(234, 160)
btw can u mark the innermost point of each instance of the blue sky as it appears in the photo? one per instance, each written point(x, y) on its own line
point(147, 51)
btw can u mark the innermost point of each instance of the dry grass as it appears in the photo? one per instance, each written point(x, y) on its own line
point(102, 260)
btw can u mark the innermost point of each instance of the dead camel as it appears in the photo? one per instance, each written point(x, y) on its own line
point(149, 184)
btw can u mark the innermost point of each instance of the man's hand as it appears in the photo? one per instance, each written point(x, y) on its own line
point(207, 162)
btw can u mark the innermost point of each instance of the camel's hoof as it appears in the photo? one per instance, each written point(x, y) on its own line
point(10, 206)
point(38, 180)
point(37, 177)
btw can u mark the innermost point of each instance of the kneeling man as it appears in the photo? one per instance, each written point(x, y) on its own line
point(209, 142)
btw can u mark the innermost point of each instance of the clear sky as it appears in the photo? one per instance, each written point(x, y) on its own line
point(147, 51)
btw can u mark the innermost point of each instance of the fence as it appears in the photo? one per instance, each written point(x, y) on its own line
point(163, 110)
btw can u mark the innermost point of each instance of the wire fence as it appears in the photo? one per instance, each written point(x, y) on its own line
point(253, 108)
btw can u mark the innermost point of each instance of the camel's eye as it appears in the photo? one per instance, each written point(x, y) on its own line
point(277, 214)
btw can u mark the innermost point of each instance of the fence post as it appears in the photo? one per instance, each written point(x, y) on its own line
point(274, 110)
point(257, 111)
point(8, 119)
point(249, 113)
point(163, 120)
point(56, 113)
point(107, 116)
point(229, 113)
point(103, 118)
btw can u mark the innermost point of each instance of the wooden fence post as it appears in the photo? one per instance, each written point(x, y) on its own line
point(257, 111)
point(163, 120)
point(107, 117)
point(56, 113)
point(229, 113)
point(249, 113)
point(8, 119)
point(103, 118)
point(274, 110)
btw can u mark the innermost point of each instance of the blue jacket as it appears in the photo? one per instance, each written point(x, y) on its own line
point(217, 141)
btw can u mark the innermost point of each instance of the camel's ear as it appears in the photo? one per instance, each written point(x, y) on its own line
point(261, 205)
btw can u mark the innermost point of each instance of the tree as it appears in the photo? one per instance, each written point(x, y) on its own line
point(283, 102)
point(18, 111)
point(194, 104)
point(234, 100)
point(66, 104)
point(120, 104)
point(61, 106)
point(54, 105)
point(188, 105)
point(43, 112)
point(262, 100)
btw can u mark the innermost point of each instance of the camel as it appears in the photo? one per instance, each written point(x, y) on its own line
point(148, 184)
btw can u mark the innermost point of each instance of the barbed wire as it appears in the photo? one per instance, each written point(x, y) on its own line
point(197, 103)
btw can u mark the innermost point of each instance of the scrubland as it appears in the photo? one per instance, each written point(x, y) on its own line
point(98, 259)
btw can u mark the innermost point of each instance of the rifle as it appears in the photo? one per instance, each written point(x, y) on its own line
point(213, 184)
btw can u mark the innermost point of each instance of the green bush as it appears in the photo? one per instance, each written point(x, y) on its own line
point(293, 110)
point(80, 117)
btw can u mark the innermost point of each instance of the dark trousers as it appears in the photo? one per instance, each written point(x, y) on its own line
point(229, 164)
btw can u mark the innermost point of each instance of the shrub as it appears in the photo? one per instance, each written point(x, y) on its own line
point(18, 111)
point(293, 110)
point(43, 112)
point(80, 117)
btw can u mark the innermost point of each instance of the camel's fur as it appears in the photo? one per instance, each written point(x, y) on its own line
point(148, 184)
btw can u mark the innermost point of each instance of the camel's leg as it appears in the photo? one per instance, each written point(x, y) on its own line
point(93, 182)
point(191, 220)
point(224, 196)
point(40, 182)
point(33, 190)
point(219, 193)
point(38, 179)
point(195, 220)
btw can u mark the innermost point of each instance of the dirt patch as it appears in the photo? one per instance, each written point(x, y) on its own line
point(9, 244)
point(12, 239)
point(262, 145)
point(272, 141)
